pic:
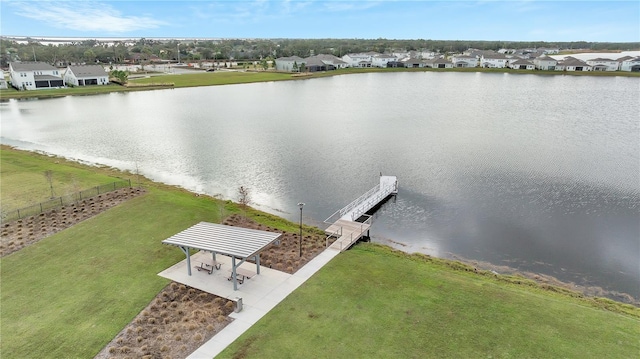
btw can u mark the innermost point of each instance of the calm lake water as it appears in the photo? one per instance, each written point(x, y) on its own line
point(538, 173)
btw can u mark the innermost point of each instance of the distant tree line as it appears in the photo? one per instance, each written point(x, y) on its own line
point(147, 50)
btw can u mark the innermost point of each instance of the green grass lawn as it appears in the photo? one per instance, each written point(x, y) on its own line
point(372, 302)
point(68, 295)
point(24, 183)
point(214, 78)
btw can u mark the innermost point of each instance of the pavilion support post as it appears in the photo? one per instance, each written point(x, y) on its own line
point(258, 263)
point(213, 255)
point(185, 250)
point(233, 273)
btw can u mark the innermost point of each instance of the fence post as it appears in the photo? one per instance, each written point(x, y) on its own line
point(114, 186)
point(18, 214)
point(40, 207)
point(61, 204)
point(129, 182)
point(98, 189)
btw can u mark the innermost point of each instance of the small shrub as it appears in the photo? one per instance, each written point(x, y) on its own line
point(164, 348)
point(210, 327)
point(139, 339)
point(125, 349)
point(197, 337)
point(178, 337)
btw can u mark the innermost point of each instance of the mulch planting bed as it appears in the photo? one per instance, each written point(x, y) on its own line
point(180, 319)
point(20, 233)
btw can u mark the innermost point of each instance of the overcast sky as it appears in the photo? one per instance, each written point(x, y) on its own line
point(602, 21)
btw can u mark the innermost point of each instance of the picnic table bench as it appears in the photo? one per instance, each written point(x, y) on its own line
point(208, 266)
point(241, 274)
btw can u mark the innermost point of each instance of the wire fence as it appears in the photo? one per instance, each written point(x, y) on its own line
point(63, 200)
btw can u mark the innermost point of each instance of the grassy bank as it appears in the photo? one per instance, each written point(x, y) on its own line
point(201, 78)
point(71, 293)
point(373, 302)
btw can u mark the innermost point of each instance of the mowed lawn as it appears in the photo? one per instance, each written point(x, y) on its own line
point(68, 295)
point(372, 302)
point(200, 78)
point(24, 182)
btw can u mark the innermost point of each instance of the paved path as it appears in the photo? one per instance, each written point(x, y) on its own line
point(259, 294)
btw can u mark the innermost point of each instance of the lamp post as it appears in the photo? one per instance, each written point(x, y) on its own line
point(300, 241)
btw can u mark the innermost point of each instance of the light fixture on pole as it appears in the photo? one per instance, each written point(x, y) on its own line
point(300, 239)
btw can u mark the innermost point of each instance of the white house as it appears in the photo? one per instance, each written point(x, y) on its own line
point(3, 81)
point(522, 64)
point(358, 59)
point(496, 60)
point(572, 64)
point(34, 76)
point(545, 63)
point(382, 60)
point(86, 75)
point(549, 50)
point(464, 61)
point(601, 64)
point(632, 65)
point(289, 64)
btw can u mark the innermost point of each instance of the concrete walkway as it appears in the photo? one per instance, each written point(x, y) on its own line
point(259, 294)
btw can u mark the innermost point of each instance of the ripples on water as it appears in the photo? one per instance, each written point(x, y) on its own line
point(538, 172)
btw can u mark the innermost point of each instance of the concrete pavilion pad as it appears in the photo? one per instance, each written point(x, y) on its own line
point(251, 291)
point(259, 294)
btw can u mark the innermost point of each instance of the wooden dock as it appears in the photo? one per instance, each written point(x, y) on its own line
point(344, 224)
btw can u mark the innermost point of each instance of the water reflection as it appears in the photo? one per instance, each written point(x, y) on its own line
point(538, 172)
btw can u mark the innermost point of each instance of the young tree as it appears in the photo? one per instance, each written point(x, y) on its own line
point(244, 198)
point(48, 175)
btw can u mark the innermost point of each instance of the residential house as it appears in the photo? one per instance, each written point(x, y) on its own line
point(395, 64)
point(464, 61)
point(381, 60)
point(86, 75)
point(601, 64)
point(496, 60)
point(549, 50)
point(439, 63)
point(331, 60)
point(414, 63)
point(3, 81)
point(572, 64)
point(359, 59)
point(289, 64)
point(34, 76)
point(522, 64)
point(632, 64)
point(545, 62)
point(315, 64)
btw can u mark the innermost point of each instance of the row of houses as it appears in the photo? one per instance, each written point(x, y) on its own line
point(478, 59)
point(40, 75)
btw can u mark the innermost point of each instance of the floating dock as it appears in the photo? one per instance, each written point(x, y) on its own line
point(344, 224)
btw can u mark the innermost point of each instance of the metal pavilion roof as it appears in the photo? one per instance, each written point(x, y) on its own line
point(219, 238)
